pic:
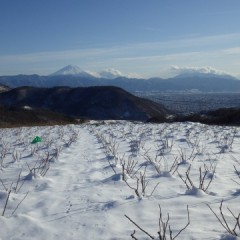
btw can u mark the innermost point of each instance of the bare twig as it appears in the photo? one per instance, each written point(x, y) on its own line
point(6, 203)
point(4, 186)
point(188, 223)
point(202, 178)
point(19, 203)
point(236, 171)
point(235, 231)
point(132, 235)
point(154, 188)
point(164, 231)
point(139, 227)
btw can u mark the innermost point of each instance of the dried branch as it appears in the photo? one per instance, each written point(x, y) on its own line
point(164, 231)
point(4, 186)
point(188, 223)
point(141, 229)
point(6, 202)
point(235, 231)
point(19, 203)
point(132, 235)
point(236, 171)
point(202, 178)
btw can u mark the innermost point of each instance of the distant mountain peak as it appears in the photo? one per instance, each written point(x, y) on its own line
point(68, 70)
point(72, 70)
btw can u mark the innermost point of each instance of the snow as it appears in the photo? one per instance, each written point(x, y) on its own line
point(109, 73)
point(73, 70)
point(72, 186)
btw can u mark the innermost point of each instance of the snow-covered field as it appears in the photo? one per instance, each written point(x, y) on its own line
point(105, 181)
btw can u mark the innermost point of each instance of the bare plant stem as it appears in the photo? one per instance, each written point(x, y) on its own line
point(4, 186)
point(19, 203)
point(19, 176)
point(132, 235)
point(164, 227)
point(138, 227)
point(188, 223)
point(225, 223)
point(6, 203)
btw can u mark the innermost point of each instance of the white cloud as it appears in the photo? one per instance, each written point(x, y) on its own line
point(185, 70)
point(112, 73)
point(128, 50)
point(232, 51)
point(144, 58)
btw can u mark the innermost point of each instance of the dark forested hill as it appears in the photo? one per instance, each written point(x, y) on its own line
point(89, 103)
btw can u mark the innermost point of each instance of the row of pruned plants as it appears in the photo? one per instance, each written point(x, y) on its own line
point(31, 161)
point(169, 160)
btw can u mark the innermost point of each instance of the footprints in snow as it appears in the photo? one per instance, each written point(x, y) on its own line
point(69, 207)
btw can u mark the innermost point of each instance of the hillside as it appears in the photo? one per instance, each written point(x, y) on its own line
point(90, 103)
point(222, 116)
point(18, 116)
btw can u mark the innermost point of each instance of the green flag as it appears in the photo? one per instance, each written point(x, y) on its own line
point(36, 140)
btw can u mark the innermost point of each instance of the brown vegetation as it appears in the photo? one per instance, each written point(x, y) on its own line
point(16, 116)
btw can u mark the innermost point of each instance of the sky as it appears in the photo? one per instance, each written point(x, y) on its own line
point(155, 38)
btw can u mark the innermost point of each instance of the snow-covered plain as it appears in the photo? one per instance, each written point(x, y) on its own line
point(81, 180)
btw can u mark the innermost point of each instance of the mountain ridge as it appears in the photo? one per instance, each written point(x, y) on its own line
point(74, 70)
point(202, 82)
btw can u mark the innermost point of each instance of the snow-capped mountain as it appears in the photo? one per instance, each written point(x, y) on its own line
point(73, 70)
point(109, 73)
point(201, 79)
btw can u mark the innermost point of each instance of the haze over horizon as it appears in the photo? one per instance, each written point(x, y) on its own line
point(149, 39)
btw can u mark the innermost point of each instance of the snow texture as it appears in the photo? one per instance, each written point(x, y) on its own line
point(72, 184)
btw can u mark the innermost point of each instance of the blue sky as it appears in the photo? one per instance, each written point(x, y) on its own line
point(150, 38)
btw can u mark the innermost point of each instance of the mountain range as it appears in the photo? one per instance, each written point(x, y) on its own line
point(73, 76)
point(73, 70)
